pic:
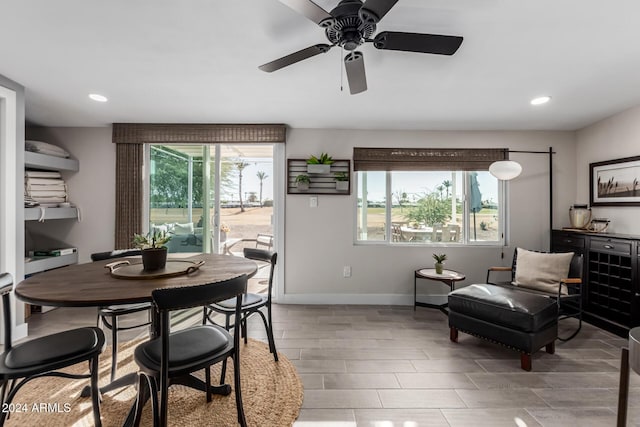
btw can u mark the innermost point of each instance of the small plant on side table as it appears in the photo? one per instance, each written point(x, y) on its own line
point(440, 258)
point(154, 251)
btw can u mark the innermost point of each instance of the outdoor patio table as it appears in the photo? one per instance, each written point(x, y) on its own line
point(417, 234)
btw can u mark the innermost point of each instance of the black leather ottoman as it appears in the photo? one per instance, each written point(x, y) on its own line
point(523, 321)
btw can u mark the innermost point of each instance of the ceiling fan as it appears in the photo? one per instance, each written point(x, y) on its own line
point(352, 23)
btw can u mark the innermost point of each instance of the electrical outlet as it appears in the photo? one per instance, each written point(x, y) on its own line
point(313, 201)
point(346, 272)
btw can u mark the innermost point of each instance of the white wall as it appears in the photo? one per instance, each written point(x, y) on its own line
point(11, 192)
point(612, 138)
point(319, 241)
point(92, 188)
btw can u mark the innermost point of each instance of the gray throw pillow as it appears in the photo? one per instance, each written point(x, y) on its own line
point(542, 271)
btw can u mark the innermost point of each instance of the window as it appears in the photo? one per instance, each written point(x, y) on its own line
point(210, 197)
point(413, 206)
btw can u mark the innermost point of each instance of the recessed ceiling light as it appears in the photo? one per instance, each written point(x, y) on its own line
point(98, 97)
point(540, 100)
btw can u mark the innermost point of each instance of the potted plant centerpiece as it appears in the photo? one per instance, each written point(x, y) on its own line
point(321, 164)
point(440, 258)
point(154, 251)
point(302, 182)
point(342, 181)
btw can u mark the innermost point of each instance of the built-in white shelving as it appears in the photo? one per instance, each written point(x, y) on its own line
point(46, 162)
point(34, 214)
point(50, 163)
point(39, 264)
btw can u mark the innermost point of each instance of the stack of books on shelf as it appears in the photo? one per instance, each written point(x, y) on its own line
point(46, 188)
point(52, 252)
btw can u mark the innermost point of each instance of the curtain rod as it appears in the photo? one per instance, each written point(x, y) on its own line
point(531, 152)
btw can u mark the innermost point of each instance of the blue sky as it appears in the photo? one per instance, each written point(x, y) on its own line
point(250, 181)
point(416, 184)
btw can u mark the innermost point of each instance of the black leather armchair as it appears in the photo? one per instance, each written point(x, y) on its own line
point(569, 303)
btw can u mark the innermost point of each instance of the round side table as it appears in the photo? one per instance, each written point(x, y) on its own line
point(448, 277)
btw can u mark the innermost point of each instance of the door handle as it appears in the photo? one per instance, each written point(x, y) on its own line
point(609, 246)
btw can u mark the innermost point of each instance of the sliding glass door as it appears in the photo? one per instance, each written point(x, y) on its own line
point(212, 198)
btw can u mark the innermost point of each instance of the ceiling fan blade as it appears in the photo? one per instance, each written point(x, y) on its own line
point(374, 10)
point(310, 10)
point(295, 57)
point(354, 64)
point(422, 43)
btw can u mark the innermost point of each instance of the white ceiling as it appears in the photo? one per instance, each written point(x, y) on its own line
point(196, 61)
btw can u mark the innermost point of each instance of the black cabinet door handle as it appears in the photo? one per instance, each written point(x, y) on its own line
point(609, 246)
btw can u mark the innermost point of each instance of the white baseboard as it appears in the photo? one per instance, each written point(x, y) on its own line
point(20, 331)
point(342, 299)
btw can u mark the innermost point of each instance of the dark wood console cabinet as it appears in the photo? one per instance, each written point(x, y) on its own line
point(611, 276)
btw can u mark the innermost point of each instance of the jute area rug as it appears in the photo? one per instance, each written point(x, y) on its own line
point(271, 392)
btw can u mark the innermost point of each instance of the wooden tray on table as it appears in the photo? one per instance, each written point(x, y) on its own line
point(125, 270)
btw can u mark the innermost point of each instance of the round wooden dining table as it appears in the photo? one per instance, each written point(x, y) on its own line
point(92, 285)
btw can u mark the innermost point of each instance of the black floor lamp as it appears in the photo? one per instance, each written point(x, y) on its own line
point(507, 170)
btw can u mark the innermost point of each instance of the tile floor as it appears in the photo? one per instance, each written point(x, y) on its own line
point(395, 367)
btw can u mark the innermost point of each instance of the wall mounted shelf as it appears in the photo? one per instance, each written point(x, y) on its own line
point(45, 162)
point(33, 214)
point(319, 183)
point(38, 264)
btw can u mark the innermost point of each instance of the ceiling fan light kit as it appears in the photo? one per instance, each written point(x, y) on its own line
point(351, 24)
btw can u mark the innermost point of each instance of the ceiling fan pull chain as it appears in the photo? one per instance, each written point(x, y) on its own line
point(341, 68)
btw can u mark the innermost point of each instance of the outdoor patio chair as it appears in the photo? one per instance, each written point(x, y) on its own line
point(396, 232)
point(262, 241)
point(445, 233)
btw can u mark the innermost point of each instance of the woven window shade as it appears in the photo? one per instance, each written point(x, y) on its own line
point(426, 159)
point(147, 133)
point(129, 159)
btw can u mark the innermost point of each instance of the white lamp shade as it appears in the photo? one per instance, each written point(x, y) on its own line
point(505, 169)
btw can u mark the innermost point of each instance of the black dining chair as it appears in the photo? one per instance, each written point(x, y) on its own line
point(108, 316)
point(43, 356)
point(251, 303)
point(173, 355)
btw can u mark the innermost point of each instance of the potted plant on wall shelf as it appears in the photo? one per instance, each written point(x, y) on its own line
point(321, 164)
point(154, 251)
point(342, 181)
point(302, 182)
point(440, 258)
